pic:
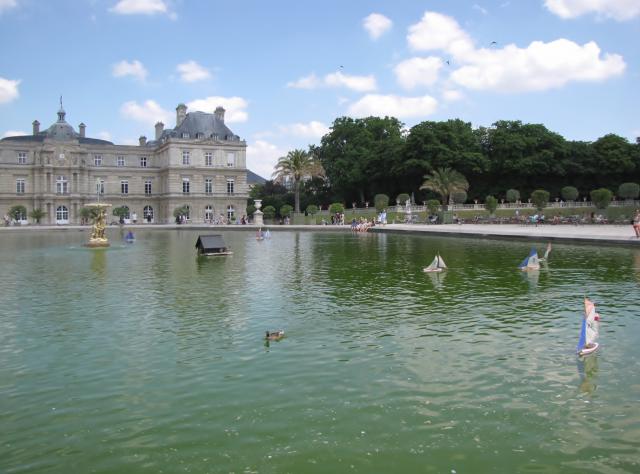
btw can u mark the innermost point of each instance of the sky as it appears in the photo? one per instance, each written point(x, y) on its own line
point(285, 70)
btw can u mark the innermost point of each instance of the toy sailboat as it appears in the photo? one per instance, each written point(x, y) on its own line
point(531, 262)
point(436, 266)
point(546, 253)
point(589, 330)
point(130, 237)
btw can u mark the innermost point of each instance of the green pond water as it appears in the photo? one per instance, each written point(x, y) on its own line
point(145, 359)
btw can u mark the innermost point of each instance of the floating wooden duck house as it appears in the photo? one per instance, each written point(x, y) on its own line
point(212, 245)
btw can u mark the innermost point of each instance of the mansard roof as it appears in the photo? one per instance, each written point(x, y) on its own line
point(202, 124)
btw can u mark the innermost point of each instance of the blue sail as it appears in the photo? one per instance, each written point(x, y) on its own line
point(525, 262)
point(583, 336)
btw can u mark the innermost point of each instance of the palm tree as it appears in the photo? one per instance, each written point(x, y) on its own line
point(295, 166)
point(445, 182)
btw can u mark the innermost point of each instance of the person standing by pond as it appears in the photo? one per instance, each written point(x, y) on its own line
point(636, 223)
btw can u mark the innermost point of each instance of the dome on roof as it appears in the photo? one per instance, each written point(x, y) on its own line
point(61, 131)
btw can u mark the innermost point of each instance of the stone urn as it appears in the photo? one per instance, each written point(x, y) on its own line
point(257, 215)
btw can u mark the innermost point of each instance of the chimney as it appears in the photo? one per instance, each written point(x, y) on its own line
point(142, 140)
point(181, 113)
point(36, 127)
point(159, 130)
point(82, 128)
point(219, 113)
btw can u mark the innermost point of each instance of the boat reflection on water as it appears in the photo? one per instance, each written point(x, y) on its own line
point(588, 372)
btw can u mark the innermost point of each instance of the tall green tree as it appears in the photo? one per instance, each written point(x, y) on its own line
point(358, 155)
point(297, 165)
point(445, 182)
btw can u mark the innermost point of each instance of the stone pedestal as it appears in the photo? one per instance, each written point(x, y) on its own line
point(257, 215)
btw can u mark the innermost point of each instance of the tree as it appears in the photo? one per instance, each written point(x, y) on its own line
point(445, 182)
point(297, 165)
point(336, 208)
point(285, 210)
point(181, 211)
point(601, 197)
point(381, 202)
point(251, 209)
point(491, 204)
point(629, 190)
point(540, 198)
point(269, 212)
point(614, 154)
point(312, 209)
point(402, 199)
point(433, 205)
point(569, 193)
point(360, 156)
point(459, 197)
point(37, 214)
point(123, 212)
point(513, 195)
point(18, 213)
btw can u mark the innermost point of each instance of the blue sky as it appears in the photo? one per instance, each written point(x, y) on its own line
point(284, 70)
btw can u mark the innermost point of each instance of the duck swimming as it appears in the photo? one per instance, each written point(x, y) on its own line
point(274, 335)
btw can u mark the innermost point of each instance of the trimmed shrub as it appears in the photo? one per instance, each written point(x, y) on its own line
point(491, 204)
point(18, 213)
point(513, 195)
point(286, 210)
point(123, 212)
point(601, 197)
point(335, 208)
point(402, 199)
point(381, 202)
point(459, 197)
point(540, 199)
point(569, 193)
point(433, 205)
point(312, 209)
point(269, 212)
point(629, 190)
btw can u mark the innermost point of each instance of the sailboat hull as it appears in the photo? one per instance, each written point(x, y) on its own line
point(432, 270)
point(588, 350)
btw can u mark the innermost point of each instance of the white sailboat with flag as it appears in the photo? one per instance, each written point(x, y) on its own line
point(531, 262)
point(437, 265)
point(545, 257)
point(589, 330)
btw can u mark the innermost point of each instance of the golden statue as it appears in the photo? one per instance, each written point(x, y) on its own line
point(97, 238)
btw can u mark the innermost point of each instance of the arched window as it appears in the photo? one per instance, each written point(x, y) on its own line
point(147, 213)
point(230, 212)
point(208, 214)
point(62, 215)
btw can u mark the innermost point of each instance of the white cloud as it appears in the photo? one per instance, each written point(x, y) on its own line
point(439, 32)
point(540, 66)
point(14, 133)
point(134, 68)
point(235, 107)
point(313, 129)
point(309, 82)
point(356, 83)
point(376, 25)
point(480, 8)
point(262, 157)
point(7, 5)
point(147, 113)
point(418, 72)
point(452, 95)
point(191, 71)
point(393, 106)
point(336, 79)
point(8, 90)
point(140, 7)
point(617, 9)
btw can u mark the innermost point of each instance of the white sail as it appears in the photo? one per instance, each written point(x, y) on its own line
point(441, 263)
point(546, 252)
point(433, 265)
point(531, 262)
point(592, 319)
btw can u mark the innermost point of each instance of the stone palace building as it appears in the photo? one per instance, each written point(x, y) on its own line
point(200, 163)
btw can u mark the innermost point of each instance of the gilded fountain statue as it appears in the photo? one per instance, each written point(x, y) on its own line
point(99, 215)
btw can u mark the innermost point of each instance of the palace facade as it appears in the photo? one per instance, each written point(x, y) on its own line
point(200, 164)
